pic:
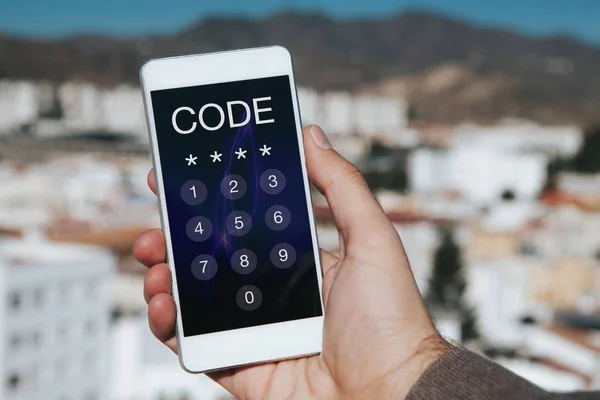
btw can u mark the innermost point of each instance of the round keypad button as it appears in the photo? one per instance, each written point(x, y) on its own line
point(278, 218)
point(204, 267)
point(272, 181)
point(249, 298)
point(199, 229)
point(194, 192)
point(243, 261)
point(283, 255)
point(238, 223)
point(233, 187)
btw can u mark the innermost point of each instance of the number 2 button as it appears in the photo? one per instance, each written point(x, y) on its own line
point(233, 187)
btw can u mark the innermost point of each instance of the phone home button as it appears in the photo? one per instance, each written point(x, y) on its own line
point(249, 298)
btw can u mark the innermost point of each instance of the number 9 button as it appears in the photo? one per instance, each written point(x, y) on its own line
point(283, 255)
point(272, 181)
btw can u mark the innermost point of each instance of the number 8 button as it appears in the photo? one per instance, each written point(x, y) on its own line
point(272, 181)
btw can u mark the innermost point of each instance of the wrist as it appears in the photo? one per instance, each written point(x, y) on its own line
point(402, 380)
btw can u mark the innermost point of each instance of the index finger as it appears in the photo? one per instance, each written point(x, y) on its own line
point(152, 181)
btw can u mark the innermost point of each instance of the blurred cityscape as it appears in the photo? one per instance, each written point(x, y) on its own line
point(500, 219)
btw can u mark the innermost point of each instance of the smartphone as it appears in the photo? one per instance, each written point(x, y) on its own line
point(235, 206)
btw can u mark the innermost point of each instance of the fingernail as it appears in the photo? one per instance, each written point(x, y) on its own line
point(319, 137)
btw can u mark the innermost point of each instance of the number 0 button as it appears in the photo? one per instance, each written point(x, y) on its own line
point(278, 218)
point(233, 187)
point(249, 298)
point(204, 267)
point(193, 192)
point(283, 255)
point(238, 223)
point(198, 229)
point(272, 181)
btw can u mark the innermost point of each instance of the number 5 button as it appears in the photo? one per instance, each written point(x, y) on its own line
point(233, 187)
point(238, 223)
point(272, 181)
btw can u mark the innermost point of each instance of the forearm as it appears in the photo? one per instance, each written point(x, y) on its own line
point(463, 375)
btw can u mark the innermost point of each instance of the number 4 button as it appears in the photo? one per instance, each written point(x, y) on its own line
point(198, 229)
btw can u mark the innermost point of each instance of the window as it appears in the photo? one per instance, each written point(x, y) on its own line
point(90, 327)
point(14, 381)
point(39, 298)
point(15, 301)
point(92, 396)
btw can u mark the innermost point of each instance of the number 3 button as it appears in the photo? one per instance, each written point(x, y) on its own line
point(233, 187)
point(272, 181)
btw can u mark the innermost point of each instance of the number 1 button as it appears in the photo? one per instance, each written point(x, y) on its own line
point(193, 192)
point(233, 187)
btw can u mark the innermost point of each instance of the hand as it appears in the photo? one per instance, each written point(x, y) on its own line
point(378, 337)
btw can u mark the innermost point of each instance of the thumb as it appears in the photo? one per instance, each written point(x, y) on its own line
point(354, 207)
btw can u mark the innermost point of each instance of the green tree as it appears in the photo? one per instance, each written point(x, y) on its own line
point(587, 160)
point(447, 284)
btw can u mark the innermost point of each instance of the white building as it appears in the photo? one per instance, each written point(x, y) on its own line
point(143, 368)
point(54, 314)
point(480, 174)
point(19, 104)
point(522, 136)
point(343, 114)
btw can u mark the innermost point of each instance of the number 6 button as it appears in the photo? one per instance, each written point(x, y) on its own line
point(272, 181)
point(233, 187)
point(278, 218)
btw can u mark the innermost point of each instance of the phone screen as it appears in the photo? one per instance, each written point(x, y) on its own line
point(237, 210)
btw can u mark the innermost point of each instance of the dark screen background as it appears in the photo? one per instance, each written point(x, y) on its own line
point(288, 294)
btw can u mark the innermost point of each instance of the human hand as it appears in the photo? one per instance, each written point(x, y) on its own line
point(378, 337)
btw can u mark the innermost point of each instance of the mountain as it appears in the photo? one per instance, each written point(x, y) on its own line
point(449, 70)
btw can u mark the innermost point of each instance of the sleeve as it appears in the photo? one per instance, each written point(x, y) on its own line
point(461, 374)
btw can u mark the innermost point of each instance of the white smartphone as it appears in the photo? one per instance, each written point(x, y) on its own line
point(235, 205)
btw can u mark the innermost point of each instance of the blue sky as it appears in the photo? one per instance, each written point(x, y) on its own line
point(129, 17)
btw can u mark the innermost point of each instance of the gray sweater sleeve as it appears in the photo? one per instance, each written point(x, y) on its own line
point(463, 375)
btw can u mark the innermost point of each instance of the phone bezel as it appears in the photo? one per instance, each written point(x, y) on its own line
point(221, 350)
